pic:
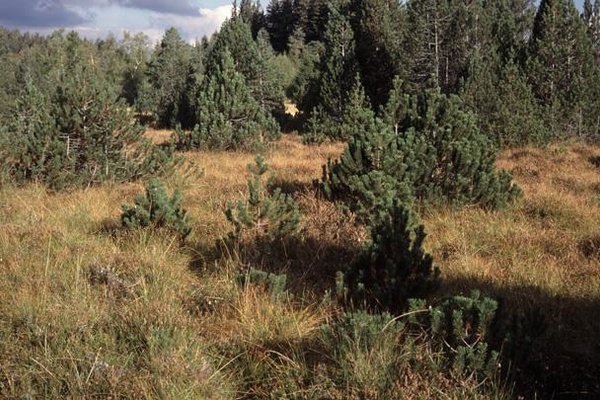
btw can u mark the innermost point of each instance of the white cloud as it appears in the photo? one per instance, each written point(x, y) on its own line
point(193, 27)
point(97, 18)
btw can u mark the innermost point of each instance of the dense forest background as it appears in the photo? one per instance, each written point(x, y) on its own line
point(307, 286)
point(530, 73)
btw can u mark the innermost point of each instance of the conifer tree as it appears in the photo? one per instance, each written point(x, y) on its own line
point(280, 23)
point(228, 116)
point(394, 266)
point(136, 50)
point(562, 69)
point(235, 35)
point(504, 102)
point(255, 60)
point(167, 71)
point(80, 134)
point(438, 155)
point(427, 21)
point(337, 69)
point(268, 84)
point(252, 13)
point(380, 31)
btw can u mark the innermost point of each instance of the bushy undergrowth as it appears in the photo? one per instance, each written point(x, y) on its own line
point(88, 315)
point(425, 149)
point(264, 217)
point(158, 210)
point(394, 266)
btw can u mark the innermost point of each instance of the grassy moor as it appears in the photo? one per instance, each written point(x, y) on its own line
point(91, 310)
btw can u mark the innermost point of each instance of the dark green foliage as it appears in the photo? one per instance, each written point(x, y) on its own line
point(394, 266)
point(280, 23)
point(251, 12)
point(168, 71)
point(158, 210)
point(235, 37)
point(357, 115)
point(273, 215)
point(304, 90)
point(380, 27)
point(436, 154)
point(504, 102)
point(136, 56)
point(326, 76)
point(373, 171)
point(562, 70)
point(267, 85)
point(79, 132)
point(461, 169)
point(228, 117)
point(463, 328)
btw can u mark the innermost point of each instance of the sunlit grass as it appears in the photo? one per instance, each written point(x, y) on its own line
point(89, 310)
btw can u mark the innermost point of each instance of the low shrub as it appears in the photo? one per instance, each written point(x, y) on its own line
point(158, 210)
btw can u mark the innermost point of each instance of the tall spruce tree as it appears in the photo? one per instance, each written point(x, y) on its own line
point(380, 32)
point(136, 49)
point(280, 23)
point(562, 69)
point(167, 71)
point(427, 21)
point(499, 94)
point(81, 133)
point(267, 85)
point(337, 69)
point(228, 116)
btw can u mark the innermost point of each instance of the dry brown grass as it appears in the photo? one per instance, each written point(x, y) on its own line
point(176, 324)
point(540, 254)
point(158, 136)
point(541, 240)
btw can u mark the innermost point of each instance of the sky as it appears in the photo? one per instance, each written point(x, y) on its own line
point(97, 18)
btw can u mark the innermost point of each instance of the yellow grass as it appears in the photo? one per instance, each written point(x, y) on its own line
point(173, 322)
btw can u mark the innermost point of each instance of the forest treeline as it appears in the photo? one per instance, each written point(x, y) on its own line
point(526, 73)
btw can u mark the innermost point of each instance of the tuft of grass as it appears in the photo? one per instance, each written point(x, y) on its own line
point(87, 310)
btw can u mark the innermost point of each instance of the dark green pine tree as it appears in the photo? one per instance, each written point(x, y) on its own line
point(192, 88)
point(235, 36)
point(137, 54)
point(267, 85)
point(311, 16)
point(463, 170)
point(503, 101)
point(337, 69)
point(255, 60)
point(280, 23)
point(227, 114)
point(32, 144)
point(372, 171)
point(427, 21)
point(424, 149)
point(253, 14)
point(562, 69)
point(380, 31)
point(510, 23)
point(82, 133)
point(394, 266)
point(167, 72)
point(591, 19)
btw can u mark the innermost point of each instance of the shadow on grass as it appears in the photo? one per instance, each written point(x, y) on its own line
point(555, 347)
point(309, 263)
point(559, 356)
